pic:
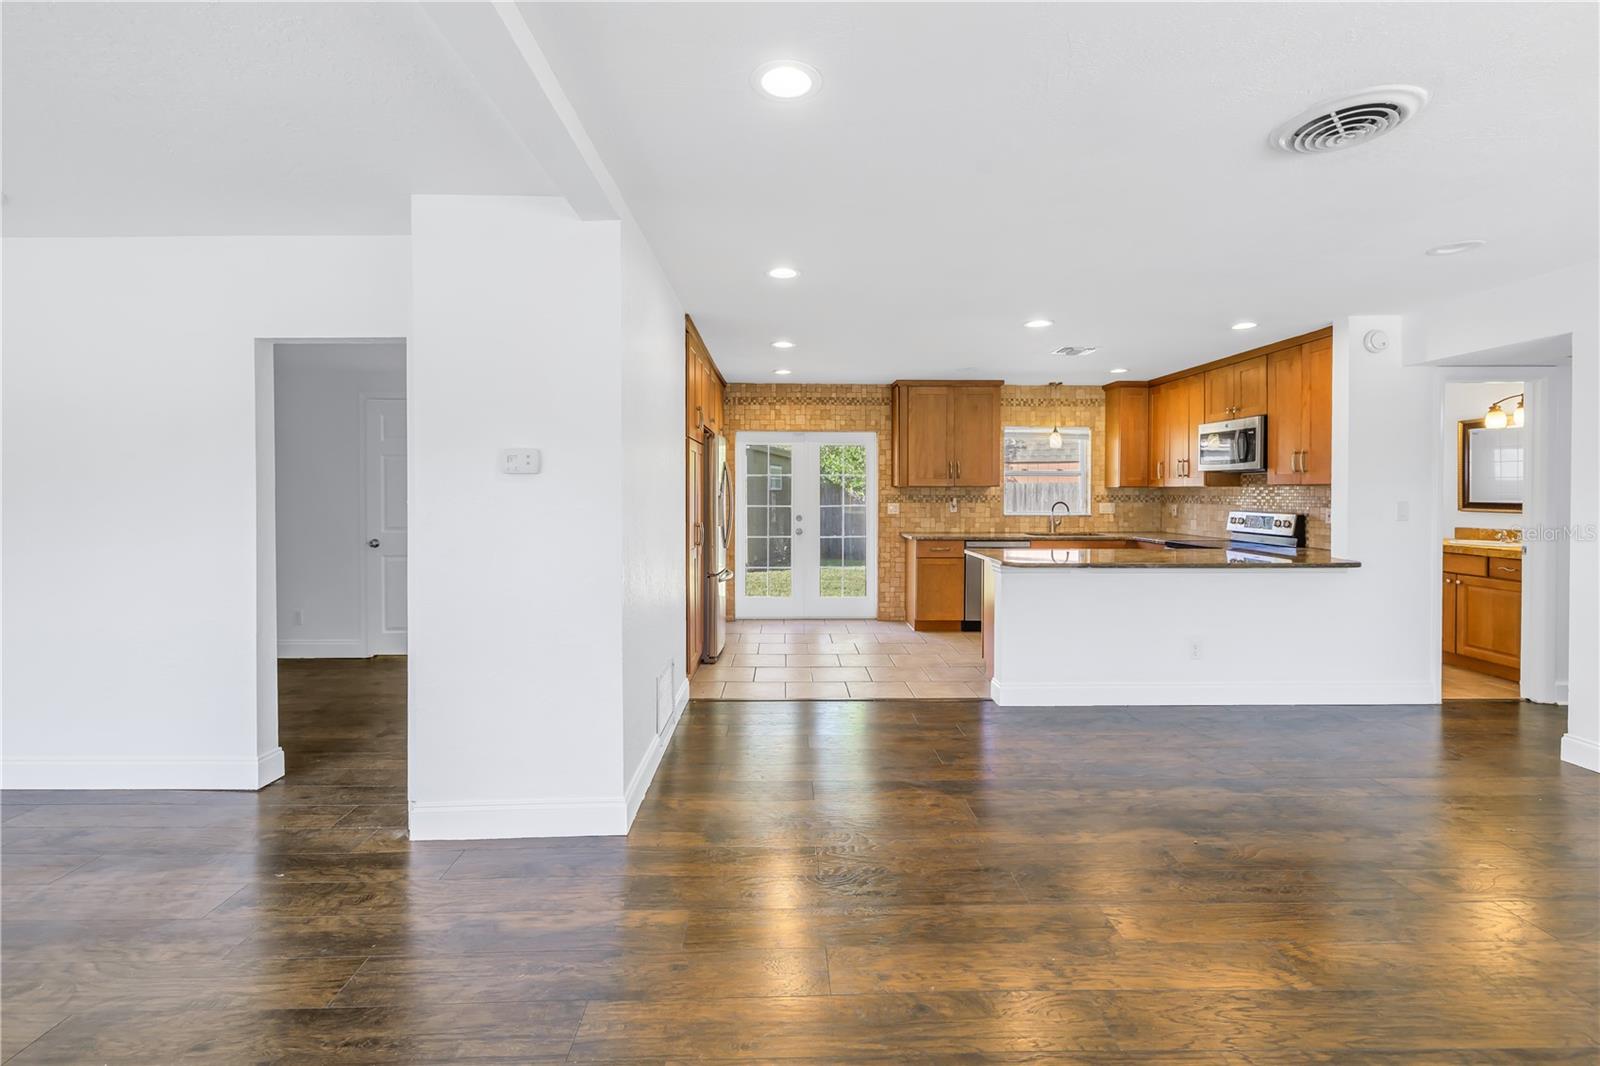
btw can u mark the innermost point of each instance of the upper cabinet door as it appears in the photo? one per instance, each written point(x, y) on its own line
point(1286, 419)
point(1250, 388)
point(1220, 385)
point(1316, 449)
point(924, 432)
point(975, 441)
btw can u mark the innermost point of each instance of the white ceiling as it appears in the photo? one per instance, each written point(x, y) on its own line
point(240, 118)
point(967, 167)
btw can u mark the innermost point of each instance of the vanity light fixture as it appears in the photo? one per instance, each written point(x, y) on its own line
point(1246, 324)
point(787, 79)
point(783, 273)
point(783, 344)
point(1038, 323)
point(1499, 418)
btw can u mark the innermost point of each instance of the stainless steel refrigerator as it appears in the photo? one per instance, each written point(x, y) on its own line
point(718, 502)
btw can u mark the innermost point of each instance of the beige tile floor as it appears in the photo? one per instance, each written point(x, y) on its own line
point(839, 660)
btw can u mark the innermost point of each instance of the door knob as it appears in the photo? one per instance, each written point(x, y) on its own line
point(373, 543)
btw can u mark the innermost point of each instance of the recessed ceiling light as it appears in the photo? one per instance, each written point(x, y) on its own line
point(783, 273)
point(783, 371)
point(1038, 323)
point(1244, 325)
point(1457, 248)
point(783, 344)
point(787, 79)
point(1119, 370)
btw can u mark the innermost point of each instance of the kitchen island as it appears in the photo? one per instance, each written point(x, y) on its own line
point(1198, 624)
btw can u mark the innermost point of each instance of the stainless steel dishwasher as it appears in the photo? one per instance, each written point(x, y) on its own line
point(972, 593)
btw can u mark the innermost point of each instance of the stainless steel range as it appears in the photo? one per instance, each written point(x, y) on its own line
point(1266, 529)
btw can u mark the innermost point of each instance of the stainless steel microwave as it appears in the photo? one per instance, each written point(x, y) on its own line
point(1239, 444)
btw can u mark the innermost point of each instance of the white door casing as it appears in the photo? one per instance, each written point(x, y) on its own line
point(806, 525)
point(384, 509)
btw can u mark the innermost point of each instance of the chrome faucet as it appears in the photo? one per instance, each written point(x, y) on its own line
point(1055, 519)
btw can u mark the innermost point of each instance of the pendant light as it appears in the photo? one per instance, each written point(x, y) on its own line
point(1055, 437)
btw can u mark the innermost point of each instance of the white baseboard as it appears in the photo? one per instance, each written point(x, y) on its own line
point(269, 767)
point(639, 783)
point(1176, 694)
point(322, 649)
point(235, 775)
point(1580, 751)
point(561, 817)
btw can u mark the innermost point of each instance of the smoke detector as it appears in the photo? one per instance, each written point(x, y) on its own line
point(1074, 350)
point(1349, 120)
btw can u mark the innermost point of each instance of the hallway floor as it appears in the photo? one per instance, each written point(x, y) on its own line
point(859, 659)
point(838, 882)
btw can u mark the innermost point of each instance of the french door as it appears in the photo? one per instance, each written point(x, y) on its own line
point(807, 525)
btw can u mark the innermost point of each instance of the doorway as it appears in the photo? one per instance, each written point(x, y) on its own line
point(1504, 504)
point(806, 543)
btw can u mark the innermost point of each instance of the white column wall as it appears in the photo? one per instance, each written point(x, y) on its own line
point(138, 637)
point(516, 601)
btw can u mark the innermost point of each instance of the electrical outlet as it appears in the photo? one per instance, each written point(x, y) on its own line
point(1194, 647)
point(1108, 508)
point(521, 461)
point(954, 506)
point(1173, 511)
point(892, 507)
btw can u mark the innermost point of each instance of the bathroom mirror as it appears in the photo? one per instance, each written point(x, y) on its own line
point(1490, 466)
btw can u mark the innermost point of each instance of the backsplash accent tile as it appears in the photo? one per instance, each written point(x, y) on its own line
point(865, 408)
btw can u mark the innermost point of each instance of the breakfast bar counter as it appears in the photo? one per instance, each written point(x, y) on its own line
point(1220, 557)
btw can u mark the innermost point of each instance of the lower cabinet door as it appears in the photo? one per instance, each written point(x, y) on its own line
point(941, 590)
point(1489, 620)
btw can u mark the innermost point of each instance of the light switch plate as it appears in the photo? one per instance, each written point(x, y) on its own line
point(892, 507)
point(520, 461)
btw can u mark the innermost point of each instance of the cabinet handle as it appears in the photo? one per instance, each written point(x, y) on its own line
point(950, 469)
point(958, 470)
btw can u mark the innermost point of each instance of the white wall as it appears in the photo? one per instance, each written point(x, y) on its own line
point(138, 646)
point(1463, 400)
point(653, 545)
point(516, 606)
point(321, 530)
point(1564, 303)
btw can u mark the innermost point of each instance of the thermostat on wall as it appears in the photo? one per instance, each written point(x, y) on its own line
point(520, 461)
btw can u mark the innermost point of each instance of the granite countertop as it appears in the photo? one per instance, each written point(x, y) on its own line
point(1494, 549)
point(1217, 558)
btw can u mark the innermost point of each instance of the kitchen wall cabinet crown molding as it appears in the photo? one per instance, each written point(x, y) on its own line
point(946, 434)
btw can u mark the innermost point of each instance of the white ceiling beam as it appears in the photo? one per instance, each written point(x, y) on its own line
point(502, 55)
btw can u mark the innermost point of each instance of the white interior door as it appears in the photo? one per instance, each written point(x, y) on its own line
point(384, 503)
point(806, 525)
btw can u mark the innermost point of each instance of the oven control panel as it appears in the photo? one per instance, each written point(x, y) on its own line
point(1267, 527)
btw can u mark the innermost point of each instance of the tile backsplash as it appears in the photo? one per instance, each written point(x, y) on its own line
point(861, 408)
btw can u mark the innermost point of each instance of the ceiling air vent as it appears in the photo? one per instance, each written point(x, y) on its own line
point(1074, 350)
point(1349, 120)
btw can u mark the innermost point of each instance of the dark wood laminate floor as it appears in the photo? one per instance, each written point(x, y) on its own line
point(841, 882)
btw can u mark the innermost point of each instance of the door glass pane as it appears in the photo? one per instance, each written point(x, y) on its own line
point(842, 488)
point(769, 491)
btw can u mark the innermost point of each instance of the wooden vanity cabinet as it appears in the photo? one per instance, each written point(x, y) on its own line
point(946, 434)
point(1482, 622)
point(936, 583)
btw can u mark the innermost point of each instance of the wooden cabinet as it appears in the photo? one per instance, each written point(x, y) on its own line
point(946, 433)
point(1177, 408)
point(1236, 390)
point(936, 579)
point(694, 566)
point(1300, 414)
point(1127, 436)
point(1482, 623)
point(704, 388)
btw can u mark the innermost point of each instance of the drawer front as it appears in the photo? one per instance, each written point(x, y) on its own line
point(940, 549)
point(1475, 565)
point(1505, 569)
